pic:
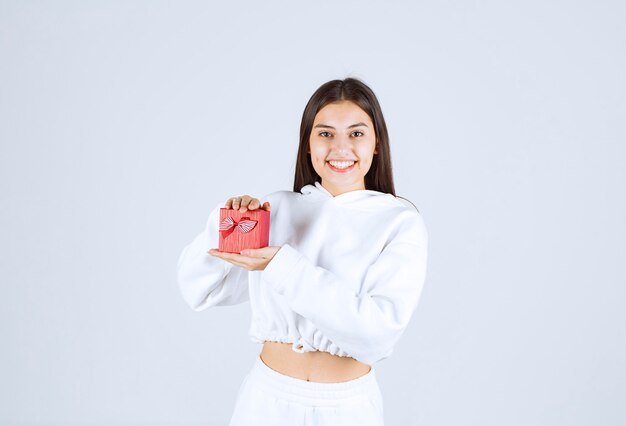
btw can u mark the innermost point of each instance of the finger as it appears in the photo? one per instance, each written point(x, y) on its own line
point(245, 203)
point(224, 254)
point(216, 253)
point(230, 202)
point(236, 202)
point(244, 261)
point(266, 206)
point(250, 203)
point(254, 204)
point(234, 258)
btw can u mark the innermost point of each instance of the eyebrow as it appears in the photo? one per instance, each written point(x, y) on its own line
point(331, 127)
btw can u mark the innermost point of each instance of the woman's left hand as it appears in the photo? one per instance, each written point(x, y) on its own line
point(250, 259)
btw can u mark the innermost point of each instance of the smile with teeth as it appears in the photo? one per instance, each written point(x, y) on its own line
point(342, 165)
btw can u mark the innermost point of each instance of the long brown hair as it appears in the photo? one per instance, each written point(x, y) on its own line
point(379, 177)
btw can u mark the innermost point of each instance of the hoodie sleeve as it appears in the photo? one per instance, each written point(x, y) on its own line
point(366, 325)
point(205, 280)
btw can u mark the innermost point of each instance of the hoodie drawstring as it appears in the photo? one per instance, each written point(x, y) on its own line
point(302, 346)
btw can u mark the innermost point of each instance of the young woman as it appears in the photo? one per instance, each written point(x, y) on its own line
point(337, 285)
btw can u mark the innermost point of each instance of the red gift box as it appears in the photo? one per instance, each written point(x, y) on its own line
point(239, 231)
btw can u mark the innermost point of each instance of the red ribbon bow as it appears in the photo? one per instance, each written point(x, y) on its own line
point(228, 225)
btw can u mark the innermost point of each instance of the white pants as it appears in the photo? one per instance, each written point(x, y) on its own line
point(269, 398)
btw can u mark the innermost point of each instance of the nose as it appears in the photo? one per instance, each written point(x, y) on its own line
point(342, 143)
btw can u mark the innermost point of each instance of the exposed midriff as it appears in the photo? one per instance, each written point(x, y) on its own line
point(313, 366)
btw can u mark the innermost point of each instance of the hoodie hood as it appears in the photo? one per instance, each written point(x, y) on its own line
point(360, 198)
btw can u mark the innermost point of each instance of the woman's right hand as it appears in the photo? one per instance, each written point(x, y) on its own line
point(244, 203)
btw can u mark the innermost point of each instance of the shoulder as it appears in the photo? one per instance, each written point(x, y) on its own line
point(410, 211)
point(408, 220)
point(397, 204)
point(407, 203)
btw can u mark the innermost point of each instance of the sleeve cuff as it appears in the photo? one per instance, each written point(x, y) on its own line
point(281, 269)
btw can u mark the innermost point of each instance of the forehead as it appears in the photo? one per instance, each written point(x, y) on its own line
point(341, 112)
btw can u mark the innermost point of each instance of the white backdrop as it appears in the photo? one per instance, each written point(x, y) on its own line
point(123, 123)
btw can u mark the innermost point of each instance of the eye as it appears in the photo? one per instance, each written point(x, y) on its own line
point(322, 134)
point(358, 131)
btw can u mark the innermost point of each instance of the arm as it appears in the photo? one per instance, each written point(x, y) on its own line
point(207, 281)
point(366, 325)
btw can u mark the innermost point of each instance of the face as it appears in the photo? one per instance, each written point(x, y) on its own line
point(342, 146)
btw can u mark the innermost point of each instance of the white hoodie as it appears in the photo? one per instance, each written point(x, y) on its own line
point(346, 280)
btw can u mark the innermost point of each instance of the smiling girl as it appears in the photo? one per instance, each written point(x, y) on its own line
point(335, 289)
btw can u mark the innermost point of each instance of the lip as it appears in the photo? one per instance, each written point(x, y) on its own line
point(347, 169)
